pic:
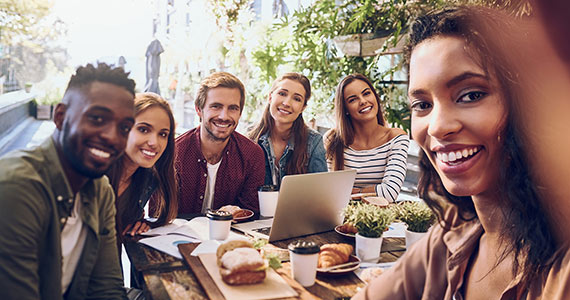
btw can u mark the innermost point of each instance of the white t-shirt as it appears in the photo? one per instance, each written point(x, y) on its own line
point(210, 186)
point(72, 242)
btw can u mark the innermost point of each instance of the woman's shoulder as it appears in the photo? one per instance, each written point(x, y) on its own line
point(398, 133)
point(313, 134)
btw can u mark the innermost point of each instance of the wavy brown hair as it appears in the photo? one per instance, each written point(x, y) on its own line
point(489, 36)
point(342, 135)
point(164, 202)
point(299, 162)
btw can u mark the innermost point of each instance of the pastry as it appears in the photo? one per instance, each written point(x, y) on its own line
point(240, 263)
point(347, 228)
point(334, 254)
point(370, 273)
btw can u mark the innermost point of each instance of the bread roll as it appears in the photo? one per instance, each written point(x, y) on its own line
point(334, 254)
point(240, 263)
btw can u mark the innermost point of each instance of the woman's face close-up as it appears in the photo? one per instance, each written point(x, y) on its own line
point(287, 101)
point(149, 137)
point(457, 113)
point(359, 101)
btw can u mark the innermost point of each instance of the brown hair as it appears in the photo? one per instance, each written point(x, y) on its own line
point(342, 135)
point(164, 202)
point(219, 79)
point(489, 36)
point(300, 159)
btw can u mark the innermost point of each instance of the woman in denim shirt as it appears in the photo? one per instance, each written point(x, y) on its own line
point(290, 146)
point(147, 168)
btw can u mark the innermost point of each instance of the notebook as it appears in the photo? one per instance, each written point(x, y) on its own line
point(307, 204)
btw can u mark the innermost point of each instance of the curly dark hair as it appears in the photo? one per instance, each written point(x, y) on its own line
point(85, 75)
point(489, 36)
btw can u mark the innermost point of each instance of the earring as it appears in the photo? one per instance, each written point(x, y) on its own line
point(347, 114)
point(499, 138)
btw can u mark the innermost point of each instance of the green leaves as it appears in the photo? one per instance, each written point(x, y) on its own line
point(370, 220)
point(417, 215)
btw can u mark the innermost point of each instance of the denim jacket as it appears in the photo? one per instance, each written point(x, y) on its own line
point(315, 147)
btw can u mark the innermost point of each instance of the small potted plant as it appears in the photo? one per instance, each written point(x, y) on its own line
point(47, 103)
point(418, 218)
point(371, 221)
point(28, 87)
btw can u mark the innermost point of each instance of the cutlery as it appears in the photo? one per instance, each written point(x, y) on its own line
point(341, 266)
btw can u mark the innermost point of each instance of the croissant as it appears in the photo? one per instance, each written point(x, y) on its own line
point(334, 254)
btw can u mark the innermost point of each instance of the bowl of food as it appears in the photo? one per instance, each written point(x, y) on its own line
point(242, 215)
point(239, 214)
point(346, 229)
point(376, 200)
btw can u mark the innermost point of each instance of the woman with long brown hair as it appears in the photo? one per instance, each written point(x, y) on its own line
point(290, 146)
point(467, 88)
point(146, 169)
point(360, 140)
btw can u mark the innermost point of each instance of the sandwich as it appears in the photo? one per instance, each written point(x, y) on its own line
point(240, 263)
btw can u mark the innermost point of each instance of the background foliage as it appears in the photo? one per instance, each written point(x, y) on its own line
point(304, 42)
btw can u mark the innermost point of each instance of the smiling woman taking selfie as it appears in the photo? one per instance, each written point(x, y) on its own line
point(493, 240)
point(361, 140)
point(290, 147)
point(146, 168)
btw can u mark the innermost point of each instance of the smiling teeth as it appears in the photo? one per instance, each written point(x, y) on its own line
point(455, 155)
point(222, 125)
point(99, 153)
point(284, 111)
point(366, 109)
point(149, 153)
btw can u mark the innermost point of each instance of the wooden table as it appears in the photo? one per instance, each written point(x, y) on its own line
point(166, 277)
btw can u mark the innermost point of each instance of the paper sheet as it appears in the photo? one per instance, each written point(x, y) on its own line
point(182, 231)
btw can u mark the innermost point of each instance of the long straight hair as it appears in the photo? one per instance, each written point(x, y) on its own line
point(298, 163)
point(489, 35)
point(342, 135)
point(164, 201)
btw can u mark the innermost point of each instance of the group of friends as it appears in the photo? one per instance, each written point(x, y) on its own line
point(63, 221)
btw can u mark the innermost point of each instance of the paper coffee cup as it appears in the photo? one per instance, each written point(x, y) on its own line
point(268, 195)
point(219, 223)
point(304, 258)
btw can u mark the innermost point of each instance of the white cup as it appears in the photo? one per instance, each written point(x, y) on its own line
point(268, 196)
point(219, 224)
point(304, 258)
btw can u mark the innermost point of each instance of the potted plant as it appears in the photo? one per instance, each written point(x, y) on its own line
point(45, 106)
point(371, 221)
point(418, 218)
point(28, 87)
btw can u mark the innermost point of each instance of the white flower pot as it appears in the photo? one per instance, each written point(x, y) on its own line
point(368, 249)
point(412, 237)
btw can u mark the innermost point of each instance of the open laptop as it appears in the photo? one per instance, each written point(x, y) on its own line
point(307, 204)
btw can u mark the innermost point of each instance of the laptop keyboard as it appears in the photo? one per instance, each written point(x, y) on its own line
point(263, 230)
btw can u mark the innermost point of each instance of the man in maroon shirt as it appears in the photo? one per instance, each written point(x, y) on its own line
point(215, 165)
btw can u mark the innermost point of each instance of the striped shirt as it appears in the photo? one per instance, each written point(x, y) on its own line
point(384, 166)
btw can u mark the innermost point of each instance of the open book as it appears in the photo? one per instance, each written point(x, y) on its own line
point(166, 238)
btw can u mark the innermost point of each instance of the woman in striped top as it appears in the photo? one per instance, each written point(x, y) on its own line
point(361, 140)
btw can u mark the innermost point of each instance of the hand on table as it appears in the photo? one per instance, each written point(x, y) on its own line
point(136, 228)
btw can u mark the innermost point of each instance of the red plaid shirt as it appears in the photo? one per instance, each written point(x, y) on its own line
point(241, 173)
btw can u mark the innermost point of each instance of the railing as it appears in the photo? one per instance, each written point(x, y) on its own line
point(14, 108)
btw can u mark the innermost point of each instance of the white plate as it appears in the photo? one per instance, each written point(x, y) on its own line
point(342, 271)
point(350, 235)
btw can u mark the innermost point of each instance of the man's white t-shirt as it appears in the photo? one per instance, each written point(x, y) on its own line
point(210, 186)
point(72, 242)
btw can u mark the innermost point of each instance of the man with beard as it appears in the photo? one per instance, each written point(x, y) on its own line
point(57, 212)
point(215, 165)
